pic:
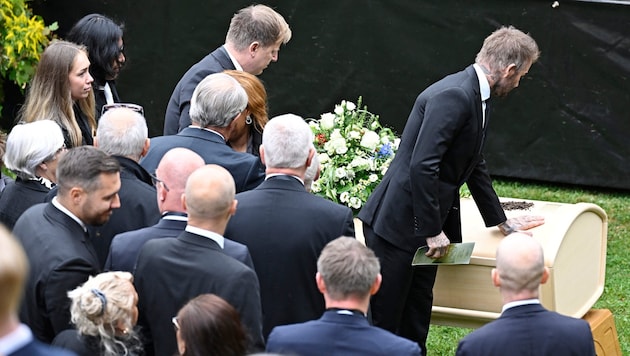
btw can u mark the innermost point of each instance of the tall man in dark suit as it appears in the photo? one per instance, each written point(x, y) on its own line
point(525, 327)
point(123, 133)
point(171, 175)
point(170, 271)
point(56, 239)
point(16, 339)
point(216, 104)
point(347, 275)
point(252, 42)
point(417, 202)
point(285, 227)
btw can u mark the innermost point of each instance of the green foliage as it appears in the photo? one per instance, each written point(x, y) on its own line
point(23, 36)
point(443, 340)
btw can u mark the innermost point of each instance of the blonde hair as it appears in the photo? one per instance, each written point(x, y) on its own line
point(100, 304)
point(49, 95)
point(13, 272)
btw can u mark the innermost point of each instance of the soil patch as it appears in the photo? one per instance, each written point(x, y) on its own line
point(516, 205)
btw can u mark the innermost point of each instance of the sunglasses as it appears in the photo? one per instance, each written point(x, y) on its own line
point(135, 107)
point(157, 180)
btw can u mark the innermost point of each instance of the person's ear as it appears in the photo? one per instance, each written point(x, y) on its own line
point(496, 281)
point(184, 206)
point(233, 207)
point(253, 47)
point(76, 195)
point(377, 284)
point(311, 153)
point(545, 276)
point(320, 283)
point(261, 150)
point(510, 71)
point(145, 148)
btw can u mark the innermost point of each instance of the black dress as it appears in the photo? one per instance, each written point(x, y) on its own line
point(21, 195)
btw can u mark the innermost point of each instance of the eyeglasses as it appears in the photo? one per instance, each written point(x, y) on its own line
point(135, 107)
point(56, 154)
point(156, 180)
point(175, 323)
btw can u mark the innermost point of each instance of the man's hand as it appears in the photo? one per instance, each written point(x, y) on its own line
point(437, 245)
point(521, 223)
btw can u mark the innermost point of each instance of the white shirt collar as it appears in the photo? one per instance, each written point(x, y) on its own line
point(207, 129)
point(282, 174)
point(518, 303)
point(234, 61)
point(484, 86)
point(63, 209)
point(205, 233)
point(15, 340)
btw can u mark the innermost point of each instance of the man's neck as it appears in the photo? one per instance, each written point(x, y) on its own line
point(349, 304)
point(218, 227)
point(223, 131)
point(288, 171)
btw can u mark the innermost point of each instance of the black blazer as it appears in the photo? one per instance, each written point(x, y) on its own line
point(285, 229)
point(170, 272)
point(337, 334)
point(177, 117)
point(138, 207)
point(36, 348)
point(246, 169)
point(61, 258)
point(19, 196)
point(440, 150)
point(125, 247)
point(530, 330)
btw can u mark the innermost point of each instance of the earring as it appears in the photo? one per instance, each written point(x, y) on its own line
point(248, 120)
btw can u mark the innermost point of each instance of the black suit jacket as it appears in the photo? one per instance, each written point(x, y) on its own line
point(125, 247)
point(61, 258)
point(440, 150)
point(19, 196)
point(36, 348)
point(245, 168)
point(285, 229)
point(138, 207)
point(530, 330)
point(170, 272)
point(337, 334)
point(177, 117)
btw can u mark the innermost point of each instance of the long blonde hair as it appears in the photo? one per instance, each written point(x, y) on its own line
point(49, 95)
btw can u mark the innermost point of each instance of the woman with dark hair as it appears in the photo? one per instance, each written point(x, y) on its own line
point(61, 90)
point(104, 41)
point(247, 134)
point(208, 325)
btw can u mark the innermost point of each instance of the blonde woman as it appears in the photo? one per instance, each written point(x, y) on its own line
point(61, 90)
point(104, 311)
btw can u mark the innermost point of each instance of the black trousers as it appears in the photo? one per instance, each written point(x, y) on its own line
point(403, 304)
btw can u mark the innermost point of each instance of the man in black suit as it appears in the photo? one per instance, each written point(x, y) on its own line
point(347, 275)
point(417, 202)
point(56, 239)
point(171, 175)
point(285, 227)
point(525, 327)
point(252, 42)
point(123, 134)
point(16, 339)
point(216, 104)
point(170, 272)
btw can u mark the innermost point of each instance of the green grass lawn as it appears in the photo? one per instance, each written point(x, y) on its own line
point(443, 340)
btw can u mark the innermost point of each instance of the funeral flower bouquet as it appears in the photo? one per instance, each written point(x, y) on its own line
point(354, 150)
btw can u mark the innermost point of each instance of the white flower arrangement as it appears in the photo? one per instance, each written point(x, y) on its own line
point(354, 151)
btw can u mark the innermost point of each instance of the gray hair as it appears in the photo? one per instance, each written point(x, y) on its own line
point(257, 23)
point(506, 46)
point(30, 144)
point(217, 100)
point(99, 304)
point(287, 141)
point(82, 167)
point(348, 268)
point(122, 132)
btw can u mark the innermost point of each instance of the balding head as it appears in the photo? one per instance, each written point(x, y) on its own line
point(122, 132)
point(209, 195)
point(174, 169)
point(520, 267)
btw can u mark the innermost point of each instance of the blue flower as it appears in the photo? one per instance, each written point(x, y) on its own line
point(385, 151)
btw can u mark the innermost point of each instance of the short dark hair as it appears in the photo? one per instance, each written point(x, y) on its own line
point(100, 35)
point(211, 326)
point(82, 166)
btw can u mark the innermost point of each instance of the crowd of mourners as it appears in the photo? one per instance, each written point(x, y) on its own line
point(203, 241)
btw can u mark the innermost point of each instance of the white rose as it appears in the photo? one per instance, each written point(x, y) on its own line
point(340, 173)
point(336, 134)
point(355, 135)
point(360, 162)
point(323, 158)
point(370, 140)
point(344, 197)
point(355, 202)
point(350, 105)
point(327, 121)
point(315, 187)
point(384, 139)
point(338, 109)
point(373, 178)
